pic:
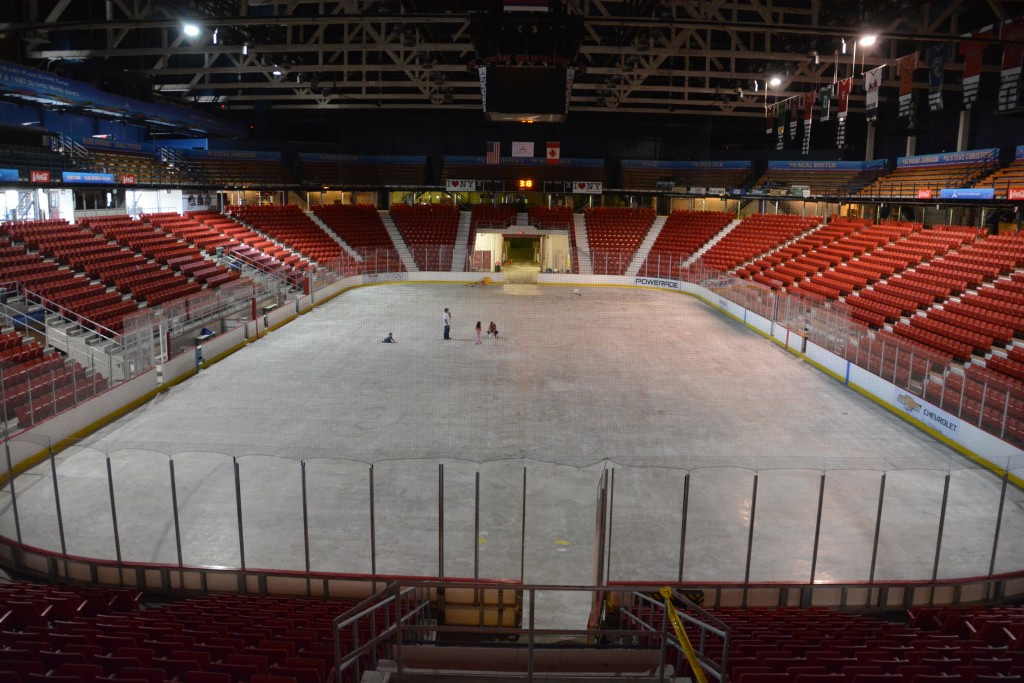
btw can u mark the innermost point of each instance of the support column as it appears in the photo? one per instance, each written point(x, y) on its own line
point(963, 134)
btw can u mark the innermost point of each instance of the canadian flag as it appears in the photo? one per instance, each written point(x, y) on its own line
point(554, 152)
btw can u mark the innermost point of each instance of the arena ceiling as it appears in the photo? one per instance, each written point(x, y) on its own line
point(673, 57)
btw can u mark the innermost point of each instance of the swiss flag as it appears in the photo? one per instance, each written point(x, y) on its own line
point(554, 152)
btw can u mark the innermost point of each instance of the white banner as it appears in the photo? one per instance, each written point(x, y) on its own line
point(460, 186)
point(585, 187)
point(522, 149)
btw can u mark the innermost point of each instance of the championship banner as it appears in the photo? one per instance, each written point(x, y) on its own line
point(458, 185)
point(824, 100)
point(808, 119)
point(780, 124)
point(843, 90)
point(1012, 34)
point(907, 66)
point(972, 52)
point(872, 81)
point(938, 55)
point(796, 104)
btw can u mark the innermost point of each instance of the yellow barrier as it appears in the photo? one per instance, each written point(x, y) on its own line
point(677, 626)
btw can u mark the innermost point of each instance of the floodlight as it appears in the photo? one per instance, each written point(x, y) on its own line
point(775, 81)
point(189, 29)
point(868, 40)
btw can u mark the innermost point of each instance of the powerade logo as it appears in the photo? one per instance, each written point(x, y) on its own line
point(655, 282)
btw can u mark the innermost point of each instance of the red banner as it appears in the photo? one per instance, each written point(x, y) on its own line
point(1015, 194)
point(39, 176)
point(127, 180)
point(924, 193)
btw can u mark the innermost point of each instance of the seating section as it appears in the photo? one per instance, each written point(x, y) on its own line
point(614, 234)
point(57, 287)
point(239, 173)
point(638, 177)
point(816, 645)
point(361, 228)
point(683, 234)
point(551, 218)
point(252, 248)
point(754, 236)
point(1009, 176)
point(911, 181)
point(84, 635)
point(289, 226)
point(133, 167)
point(429, 230)
point(39, 382)
point(491, 216)
point(365, 172)
point(28, 158)
point(820, 182)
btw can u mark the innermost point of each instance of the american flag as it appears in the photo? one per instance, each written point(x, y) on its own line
point(494, 152)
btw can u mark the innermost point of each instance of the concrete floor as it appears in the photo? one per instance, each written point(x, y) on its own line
point(651, 384)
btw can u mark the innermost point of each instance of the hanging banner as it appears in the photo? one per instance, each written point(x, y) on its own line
point(843, 90)
point(872, 82)
point(1012, 34)
point(808, 119)
point(780, 124)
point(938, 55)
point(769, 119)
point(907, 66)
point(796, 105)
point(972, 52)
point(824, 99)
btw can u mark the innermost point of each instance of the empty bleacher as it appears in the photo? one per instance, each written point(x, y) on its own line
point(363, 171)
point(819, 182)
point(683, 234)
point(361, 227)
point(83, 635)
point(1005, 178)
point(925, 180)
point(756, 235)
point(550, 218)
point(429, 230)
point(646, 175)
point(614, 233)
point(133, 167)
point(294, 229)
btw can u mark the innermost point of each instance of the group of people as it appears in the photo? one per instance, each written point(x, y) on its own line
point(446, 318)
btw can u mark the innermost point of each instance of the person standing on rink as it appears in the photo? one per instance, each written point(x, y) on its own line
point(446, 318)
point(479, 329)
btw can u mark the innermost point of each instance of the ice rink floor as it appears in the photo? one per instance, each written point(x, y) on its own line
point(652, 384)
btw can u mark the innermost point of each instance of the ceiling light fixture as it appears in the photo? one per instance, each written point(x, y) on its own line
point(868, 40)
point(189, 29)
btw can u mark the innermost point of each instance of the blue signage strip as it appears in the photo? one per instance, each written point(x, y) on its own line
point(685, 165)
point(239, 154)
point(874, 164)
point(107, 143)
point(977, 156)
point(967, 193)
point(8, 174)
point(1020, 153)
point(80, 177)
point(47, 86)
